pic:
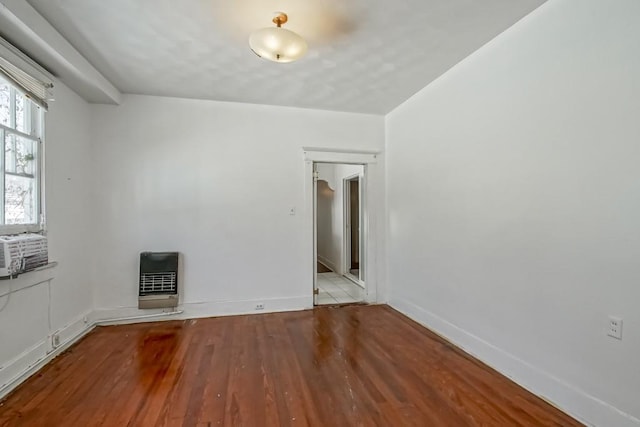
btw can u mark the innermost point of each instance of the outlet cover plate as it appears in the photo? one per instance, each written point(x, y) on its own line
point(615, 327)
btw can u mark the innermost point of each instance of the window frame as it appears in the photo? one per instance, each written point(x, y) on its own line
point(38, 138)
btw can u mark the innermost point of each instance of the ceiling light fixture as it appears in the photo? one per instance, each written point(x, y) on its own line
point(277, 44)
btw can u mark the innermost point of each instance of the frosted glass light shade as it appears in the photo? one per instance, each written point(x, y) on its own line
point(277, 44)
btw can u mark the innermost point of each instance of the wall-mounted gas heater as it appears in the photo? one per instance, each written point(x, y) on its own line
point(158, 280)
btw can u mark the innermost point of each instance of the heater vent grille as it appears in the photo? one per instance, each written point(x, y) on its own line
point(158, 283)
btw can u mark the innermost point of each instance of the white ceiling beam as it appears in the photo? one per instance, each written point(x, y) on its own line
point(24, 27)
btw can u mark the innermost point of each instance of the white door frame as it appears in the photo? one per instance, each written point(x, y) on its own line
point(314, 222)
point(347, 243)
point(370, 218)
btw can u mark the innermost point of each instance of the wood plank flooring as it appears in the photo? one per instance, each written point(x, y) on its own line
point(354, 365)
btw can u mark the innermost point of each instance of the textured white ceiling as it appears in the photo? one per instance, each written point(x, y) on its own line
point(365, 56)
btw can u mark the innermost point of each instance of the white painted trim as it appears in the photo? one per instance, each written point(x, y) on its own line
point(332, 150)
point(194, 310)
point(16, 371)
point(325, 155)
point(232, 308)
point(13, 131)
point(141, 318)
point(27, 279)
point(314, 198)
point(369, 217)
point(327, 263)
point(346, 219)
point(346, 224)
point(369, 161)
point(568, 398)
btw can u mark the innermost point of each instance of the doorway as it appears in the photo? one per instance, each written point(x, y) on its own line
point(352, 237)
point(338, 233)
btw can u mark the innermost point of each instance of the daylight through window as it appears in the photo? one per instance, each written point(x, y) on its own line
point(20, 131)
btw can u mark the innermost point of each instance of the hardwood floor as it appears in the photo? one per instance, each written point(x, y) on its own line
point(354, 365)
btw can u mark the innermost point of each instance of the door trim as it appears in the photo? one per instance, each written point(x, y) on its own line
point(369, 160)
point(346, 249)
point(314, 177)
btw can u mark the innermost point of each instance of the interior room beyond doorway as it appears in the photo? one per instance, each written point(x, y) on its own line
point(339, 233)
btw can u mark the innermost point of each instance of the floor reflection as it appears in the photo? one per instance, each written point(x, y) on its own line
point(335, 337)
point(155, 351)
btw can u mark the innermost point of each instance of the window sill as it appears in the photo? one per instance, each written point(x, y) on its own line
point(13, 229)
point(28, 279)
point(52, 264)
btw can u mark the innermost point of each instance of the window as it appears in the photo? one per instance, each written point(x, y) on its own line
point(21, 124)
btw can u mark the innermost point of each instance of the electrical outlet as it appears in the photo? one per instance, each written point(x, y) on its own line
point(260, 306)
point(615, 327)
point(55, 340)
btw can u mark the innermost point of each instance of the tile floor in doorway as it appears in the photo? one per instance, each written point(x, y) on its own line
point(336, 289)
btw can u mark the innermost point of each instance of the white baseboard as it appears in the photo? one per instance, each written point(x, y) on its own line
point(568, 398)
point(193, 310)
point(229, 308)
point(327, 263)
point(16, 371)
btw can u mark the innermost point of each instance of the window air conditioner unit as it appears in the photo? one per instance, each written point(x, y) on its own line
point(22, 253)
point(158, 286)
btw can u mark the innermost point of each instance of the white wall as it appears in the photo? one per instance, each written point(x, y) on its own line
point(331, 213)
point(327, 242)
point(215, 181)
point(54, 300)
point(514, 205)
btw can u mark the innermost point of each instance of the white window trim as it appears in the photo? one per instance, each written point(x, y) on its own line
point(24, 63)
point(40, 226)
